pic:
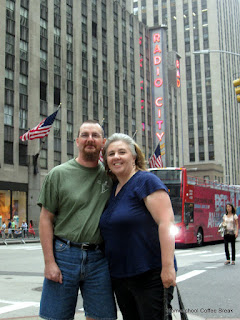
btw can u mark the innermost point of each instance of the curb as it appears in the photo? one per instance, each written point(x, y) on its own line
point(18, 241)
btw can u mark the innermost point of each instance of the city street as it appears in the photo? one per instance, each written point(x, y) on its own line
point(208, 288)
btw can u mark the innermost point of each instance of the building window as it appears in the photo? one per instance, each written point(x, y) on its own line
point(9, 97)
point(9, 76)
point(192, 157)
point(57, 158)
point(9, 61)
point(8, 115)
point(94, 29)
point(23, 154)
point(23, 117)
point(69, 101)
point(43, 159)
point(57, 96)
point(8, 152)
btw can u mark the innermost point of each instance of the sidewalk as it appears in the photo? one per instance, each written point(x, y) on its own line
point(19, 240)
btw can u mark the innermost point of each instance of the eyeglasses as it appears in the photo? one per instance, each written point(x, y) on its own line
point(94, 136)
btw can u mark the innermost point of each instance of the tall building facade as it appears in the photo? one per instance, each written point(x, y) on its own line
point(92, 57)
point(205, 34)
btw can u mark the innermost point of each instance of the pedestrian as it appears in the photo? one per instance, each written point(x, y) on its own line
point(136, 228)
point(72, 199)
point(10, 229)
point(231, 231)
point(24, 229)
point(13, 225)
point(31, 228)
point(18, 233)
point(3, 229)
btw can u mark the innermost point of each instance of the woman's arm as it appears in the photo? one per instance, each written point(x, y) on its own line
point(159, 205)
point(236, 227)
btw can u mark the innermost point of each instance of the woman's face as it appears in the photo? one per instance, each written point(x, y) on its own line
point(120, 159)
point(229, 208)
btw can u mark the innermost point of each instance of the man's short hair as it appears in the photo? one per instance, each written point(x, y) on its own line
point(92, 122)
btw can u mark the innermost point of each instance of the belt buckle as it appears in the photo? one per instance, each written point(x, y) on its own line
point(84, 246)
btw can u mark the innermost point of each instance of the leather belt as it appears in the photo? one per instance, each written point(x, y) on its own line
point(83, 246)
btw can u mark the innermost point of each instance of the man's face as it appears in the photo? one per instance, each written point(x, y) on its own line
point(90, 141)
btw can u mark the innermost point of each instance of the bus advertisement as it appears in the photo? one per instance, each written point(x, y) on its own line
point(198, 205)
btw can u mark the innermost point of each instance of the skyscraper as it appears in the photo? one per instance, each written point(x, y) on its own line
point(82, 54)
point(206, 34)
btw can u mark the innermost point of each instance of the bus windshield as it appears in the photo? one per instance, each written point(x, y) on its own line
point(172, 180)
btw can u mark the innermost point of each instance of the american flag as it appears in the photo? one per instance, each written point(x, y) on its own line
point(41, 130)
point(156, 159)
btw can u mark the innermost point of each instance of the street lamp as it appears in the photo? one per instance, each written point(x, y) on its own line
point(219, 51)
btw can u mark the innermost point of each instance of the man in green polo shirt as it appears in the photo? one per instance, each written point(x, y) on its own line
point(72, 199)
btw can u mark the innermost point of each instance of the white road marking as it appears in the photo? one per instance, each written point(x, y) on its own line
point(36, 248)
point(213, 254)
point(189, 275)
point(181, 251)
point(193, 253)
point(24, 247)
point(16, 306)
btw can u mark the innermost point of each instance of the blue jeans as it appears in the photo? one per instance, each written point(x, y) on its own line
point(87, 270)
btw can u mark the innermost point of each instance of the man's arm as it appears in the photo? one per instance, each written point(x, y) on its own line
point(159, 205)
point(52, 271)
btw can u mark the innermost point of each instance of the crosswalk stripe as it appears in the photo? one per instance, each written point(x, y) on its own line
point(189, 275)
point(193, 253)
point(16, 306)
point(213, 254)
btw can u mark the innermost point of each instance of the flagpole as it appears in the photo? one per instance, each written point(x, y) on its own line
point(134, 134)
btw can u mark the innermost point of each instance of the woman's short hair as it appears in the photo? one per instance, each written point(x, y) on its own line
point(133, 146)
point(233, 209)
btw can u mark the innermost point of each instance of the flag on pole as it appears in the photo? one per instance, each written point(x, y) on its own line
point(41, 130)
point(156, 159)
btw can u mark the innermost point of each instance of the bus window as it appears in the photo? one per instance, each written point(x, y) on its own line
point(188, 212)
point(174, 190)
point(177, 209)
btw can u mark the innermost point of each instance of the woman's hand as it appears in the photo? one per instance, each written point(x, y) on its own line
point(168, 276)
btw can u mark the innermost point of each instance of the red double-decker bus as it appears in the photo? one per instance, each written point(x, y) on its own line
point(198, 205)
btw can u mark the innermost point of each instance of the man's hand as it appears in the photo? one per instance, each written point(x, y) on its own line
point(52, 272)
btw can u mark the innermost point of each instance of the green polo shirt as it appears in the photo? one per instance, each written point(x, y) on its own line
point(76, 195)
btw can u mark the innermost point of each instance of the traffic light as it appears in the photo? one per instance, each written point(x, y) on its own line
point(236, 84)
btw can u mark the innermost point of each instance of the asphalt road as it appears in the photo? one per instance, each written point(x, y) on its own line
point(209, 289)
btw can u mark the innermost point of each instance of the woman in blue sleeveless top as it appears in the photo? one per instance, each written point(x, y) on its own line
point(136, 227)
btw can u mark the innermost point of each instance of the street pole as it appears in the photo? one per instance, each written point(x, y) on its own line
point(218, 51)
